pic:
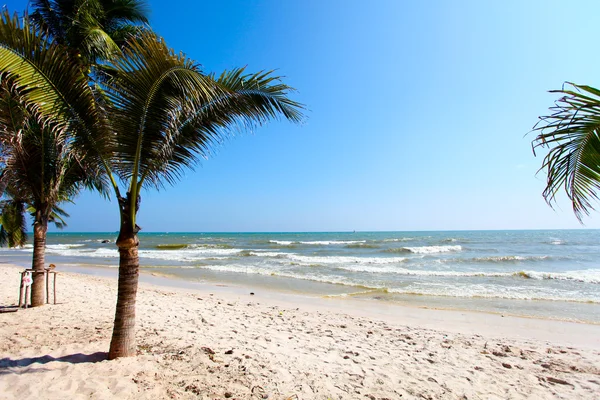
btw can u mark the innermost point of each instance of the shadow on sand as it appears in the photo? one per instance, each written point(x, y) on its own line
point(72, 359)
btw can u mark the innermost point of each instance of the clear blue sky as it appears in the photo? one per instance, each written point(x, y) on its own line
point(418, 112)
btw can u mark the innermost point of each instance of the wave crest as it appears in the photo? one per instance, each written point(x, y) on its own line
point(425, 249)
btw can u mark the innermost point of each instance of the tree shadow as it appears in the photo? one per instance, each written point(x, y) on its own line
point(78, 358)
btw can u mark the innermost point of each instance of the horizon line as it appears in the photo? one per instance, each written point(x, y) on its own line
point(345, 232)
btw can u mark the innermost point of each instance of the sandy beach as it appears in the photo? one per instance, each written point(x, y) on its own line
point(219, 342)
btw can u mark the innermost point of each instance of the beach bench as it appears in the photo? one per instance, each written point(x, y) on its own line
point(24, 289)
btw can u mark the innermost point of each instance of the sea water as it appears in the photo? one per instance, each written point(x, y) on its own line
point(549, 273)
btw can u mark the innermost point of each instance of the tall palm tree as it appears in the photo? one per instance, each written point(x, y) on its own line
point(572, 134)
point(165, 114)
point(156, 114)
point(42, 160)
point(89, 31)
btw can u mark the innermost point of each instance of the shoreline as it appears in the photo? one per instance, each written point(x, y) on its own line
point(223, 342)
point(162, 279)
point(551, 275)
point(456, 320)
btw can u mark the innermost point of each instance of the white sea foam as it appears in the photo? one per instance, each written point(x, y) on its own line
point(196, 254)
point(433, 249)
point(305, 259)
point(329, 242)
point(317, 242)
point(426, 288)
point(79, 252)
point(496, 292)
point(391, 269)
point(259, 253)
point(587, 276)
point(253, 269)
point(63, 246)
point(344, 259)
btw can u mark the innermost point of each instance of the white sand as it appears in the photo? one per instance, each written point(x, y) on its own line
point(267, 346)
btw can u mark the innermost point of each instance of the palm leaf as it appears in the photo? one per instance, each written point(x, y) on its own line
point(55, 83)
point(178, 113)
point(13, 231)
point(93, 29)
point(572, 134)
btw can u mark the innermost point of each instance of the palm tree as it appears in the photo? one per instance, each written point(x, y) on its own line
point(155, 115)
point(89, 31)
point(165, 114)
point(41, 159)
point(572, 134)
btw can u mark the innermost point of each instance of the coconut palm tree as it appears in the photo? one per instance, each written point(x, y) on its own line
point(155, 115)
point(89, 31)
point(572, 134)
point(43, 163)
point(166, 114)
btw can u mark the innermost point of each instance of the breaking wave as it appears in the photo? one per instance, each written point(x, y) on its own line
point(424, 249)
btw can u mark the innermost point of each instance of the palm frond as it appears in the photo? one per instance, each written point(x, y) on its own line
point(178, 113)
point(47, 18)
point(125, 12)
point(55, 83)
point(88, 26)
point(12, 218)
point(572, 135)
point(243, 102)
point(147, 84)
point(97, 44)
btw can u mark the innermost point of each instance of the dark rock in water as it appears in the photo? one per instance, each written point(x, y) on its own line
point(106, 241)
point(251, 293)
point(507, 365)
point(229, 352)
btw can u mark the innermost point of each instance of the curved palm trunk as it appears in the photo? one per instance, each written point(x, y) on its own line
point(123, 339)
point(40, 228)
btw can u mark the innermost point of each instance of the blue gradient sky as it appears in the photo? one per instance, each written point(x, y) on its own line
point(418, 115)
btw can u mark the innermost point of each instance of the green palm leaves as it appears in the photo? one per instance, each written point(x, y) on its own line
point(572, 133)
point(54, 81)
point(95, 29)
point(13, 231)
point(166, 113)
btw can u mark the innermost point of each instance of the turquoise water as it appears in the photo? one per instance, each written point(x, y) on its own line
point(552, 273)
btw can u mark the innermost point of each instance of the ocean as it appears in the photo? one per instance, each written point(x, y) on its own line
point(546, 273)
